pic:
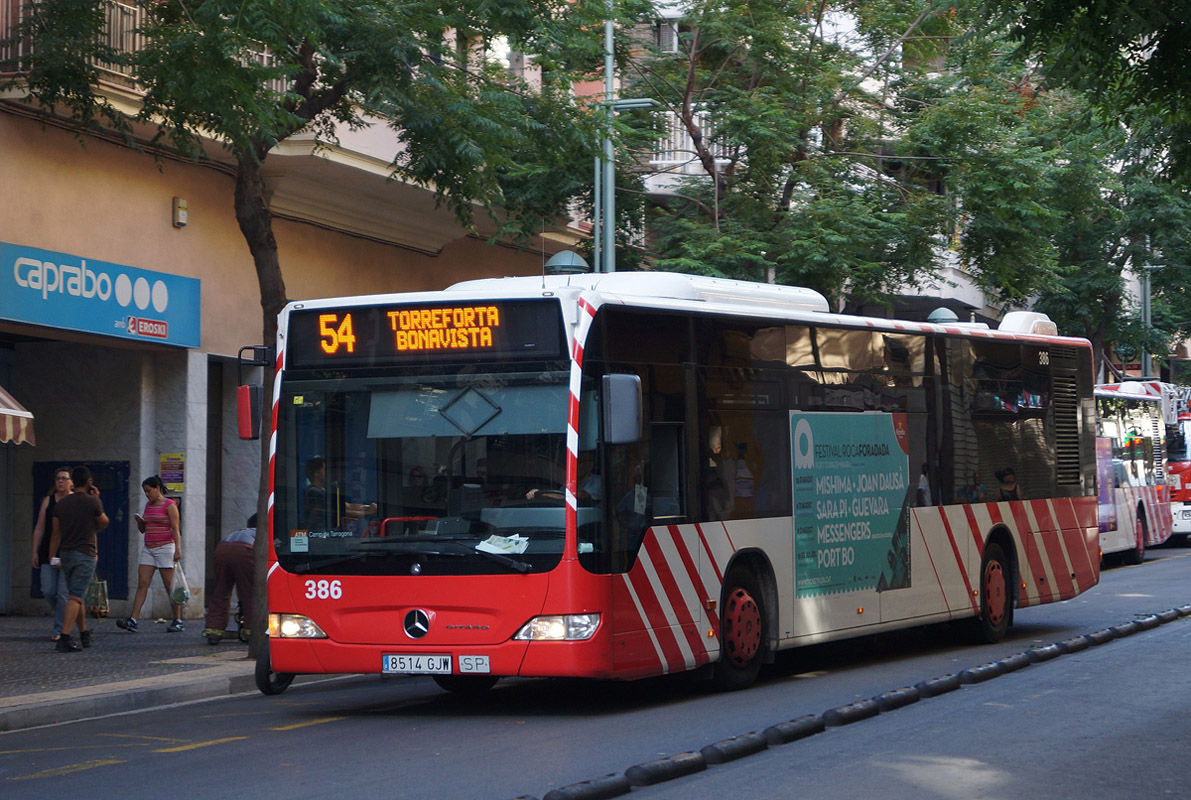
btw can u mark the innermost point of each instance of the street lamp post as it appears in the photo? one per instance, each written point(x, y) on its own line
point(604, 239)
point(1147, 270)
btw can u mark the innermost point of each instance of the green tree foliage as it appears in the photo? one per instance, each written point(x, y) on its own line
point(847, 145)
point(1119, 214)
point(1129, 56)
point(1124, 163)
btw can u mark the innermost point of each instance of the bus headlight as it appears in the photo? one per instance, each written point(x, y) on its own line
point(561, 628)
point(294, 626)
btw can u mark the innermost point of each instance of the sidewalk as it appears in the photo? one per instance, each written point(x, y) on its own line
point(121, 672)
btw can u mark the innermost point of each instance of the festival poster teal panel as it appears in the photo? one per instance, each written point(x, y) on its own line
point(852, 494)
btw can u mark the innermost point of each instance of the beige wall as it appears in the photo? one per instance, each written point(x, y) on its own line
point(98, 398)
point(104, 201)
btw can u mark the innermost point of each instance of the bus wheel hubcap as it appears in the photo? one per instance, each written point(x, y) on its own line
point(994, 592)
point(742, 627)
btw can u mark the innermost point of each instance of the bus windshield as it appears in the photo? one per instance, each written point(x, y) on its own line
point(437, 475)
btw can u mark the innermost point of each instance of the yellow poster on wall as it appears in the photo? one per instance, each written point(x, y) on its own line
point(173, 472)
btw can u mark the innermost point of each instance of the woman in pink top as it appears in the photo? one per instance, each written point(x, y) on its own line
point(162, 550)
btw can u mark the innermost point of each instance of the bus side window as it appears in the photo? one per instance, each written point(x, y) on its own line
point(666, 470)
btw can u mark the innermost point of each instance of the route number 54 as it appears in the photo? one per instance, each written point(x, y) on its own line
point(324, 590)
point(336, 334)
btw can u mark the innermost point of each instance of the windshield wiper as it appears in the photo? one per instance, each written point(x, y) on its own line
point(512, 563)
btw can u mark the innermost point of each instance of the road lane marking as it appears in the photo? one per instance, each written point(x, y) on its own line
point(141, 736)
point(57, 771)
point(26, 750)
point(297, 725)
point(197, 745)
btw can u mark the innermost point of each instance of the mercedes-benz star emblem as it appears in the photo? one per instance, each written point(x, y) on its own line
point(417, 624)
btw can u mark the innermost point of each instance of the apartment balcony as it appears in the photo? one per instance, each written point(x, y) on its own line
point(343, 186)
point(674, 157)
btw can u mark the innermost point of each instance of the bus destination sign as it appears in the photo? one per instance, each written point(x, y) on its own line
point(400, 334)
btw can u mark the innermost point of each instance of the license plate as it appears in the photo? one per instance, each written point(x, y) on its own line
point(472, 664)
point(416, 665)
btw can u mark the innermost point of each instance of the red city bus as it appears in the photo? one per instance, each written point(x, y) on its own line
point(632, 474)
point(1143, 462)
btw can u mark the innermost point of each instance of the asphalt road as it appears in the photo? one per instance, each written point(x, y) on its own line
point(1108, 722)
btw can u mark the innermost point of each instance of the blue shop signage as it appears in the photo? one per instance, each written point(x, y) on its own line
point(81, 294)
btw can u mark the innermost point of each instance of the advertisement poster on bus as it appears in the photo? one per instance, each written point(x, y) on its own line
point(852, 490)
point(1105, 481)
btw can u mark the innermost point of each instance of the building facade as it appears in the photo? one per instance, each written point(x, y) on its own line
point(126, 292)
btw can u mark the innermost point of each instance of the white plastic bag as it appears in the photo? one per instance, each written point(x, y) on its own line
point(180, 589)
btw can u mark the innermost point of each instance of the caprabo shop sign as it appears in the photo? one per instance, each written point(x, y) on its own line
point(82, 294)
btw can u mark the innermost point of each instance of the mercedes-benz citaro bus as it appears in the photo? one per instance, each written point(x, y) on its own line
point(624, 475)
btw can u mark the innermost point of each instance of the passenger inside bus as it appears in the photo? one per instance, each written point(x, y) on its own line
point(327, 508)
point(1009, 487)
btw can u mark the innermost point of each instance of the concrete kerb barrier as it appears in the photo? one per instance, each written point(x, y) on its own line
point(795, 729)
point(1014, 662)
point(664, 769)
point(934, 687)
point(734, 748)
point(896, 698)
point(1039, 654)
point(1073, 645)
point(981, 673)
point(1126, 628)
point(594, 789)
point(852, 712)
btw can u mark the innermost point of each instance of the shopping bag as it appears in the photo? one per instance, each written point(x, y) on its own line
point(180, 589)
point(97, 598)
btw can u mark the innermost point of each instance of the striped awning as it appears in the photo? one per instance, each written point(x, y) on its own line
point(16, 423)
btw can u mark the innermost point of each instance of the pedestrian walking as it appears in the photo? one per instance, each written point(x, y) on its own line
point(78, 518)
point(162, 550)
point(52, 589)
point(232, 567)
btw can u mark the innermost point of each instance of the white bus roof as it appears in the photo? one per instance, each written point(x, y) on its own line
point(678, 291)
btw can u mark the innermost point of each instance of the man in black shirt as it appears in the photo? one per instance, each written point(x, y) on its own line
point(78, 517)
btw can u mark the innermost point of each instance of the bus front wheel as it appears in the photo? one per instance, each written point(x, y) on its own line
point(742, 632)
point(268, 681)
point(996, 599)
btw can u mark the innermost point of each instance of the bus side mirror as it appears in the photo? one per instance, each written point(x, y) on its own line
point(248, 410)
point(622, 409)
point(250, 396)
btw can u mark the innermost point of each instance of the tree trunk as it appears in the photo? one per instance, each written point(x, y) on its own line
point(256, 223)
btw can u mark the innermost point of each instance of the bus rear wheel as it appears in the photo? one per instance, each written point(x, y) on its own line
point(996, 600)
point(466, 684)
point(742, 632)
point(1140, 531)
